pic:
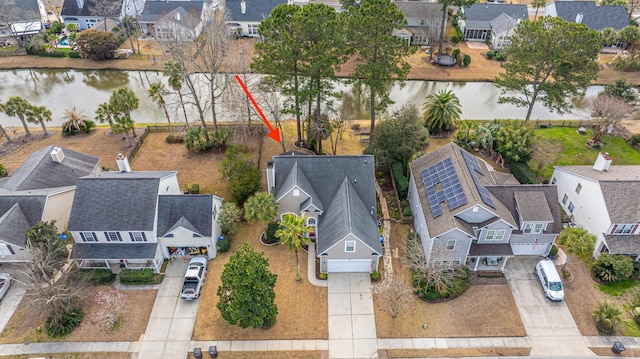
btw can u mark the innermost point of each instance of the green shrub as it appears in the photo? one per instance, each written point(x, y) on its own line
point(174, 139)
point(3, 171)
point(456, 53)
point(406, 212)
point(136, 276)
point(635, 140)
point(554, 251)
point(61, 322)
point(101, 276)
point(402, 183)
point(375, 275)
point(45, 53)
point(220, 138)
point(193, 188)
point(323, 275)
point(71, 129)
point(501, 56)
point(490, 54)
point(74, 54)
point(224, 244)
point(466, 60)
point(522, 172)
point(428, 287)
point(611, 268)
point(271, 232)
point(455, 39)
point(379, 174)
point(382, 181)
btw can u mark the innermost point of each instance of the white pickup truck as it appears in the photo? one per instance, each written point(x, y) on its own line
point(194, 278)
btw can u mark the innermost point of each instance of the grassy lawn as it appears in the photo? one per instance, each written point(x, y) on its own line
point(618, 288)
point(576, 153)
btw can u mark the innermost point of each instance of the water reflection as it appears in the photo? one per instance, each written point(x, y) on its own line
point(65, 89)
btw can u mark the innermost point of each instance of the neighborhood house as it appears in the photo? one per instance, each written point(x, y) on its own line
point(337, 195)
point(467, 213)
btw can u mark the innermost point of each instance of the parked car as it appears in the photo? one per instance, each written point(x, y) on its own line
point(194, 278)
point(5, 282)
point(550, 280)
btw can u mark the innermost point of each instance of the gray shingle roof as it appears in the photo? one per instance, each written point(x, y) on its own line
point(113, 201)
point(446, 221)
point(18, 214)
point(503, 23)
point(486, 249)
point(297, 178)
point(13, 10)
point(347, 215)
point(623, 244)
point(114, 251)
point(256, 10)
point(155, 10)
point(595, 17)
point(486, 12)
point(41, 171)
point(533, 206)
point(71, 8)
point(194, 212)
point(420, 9)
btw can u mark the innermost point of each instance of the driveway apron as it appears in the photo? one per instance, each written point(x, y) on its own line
point(170, 326)
point(550, 327)
point(352, 323)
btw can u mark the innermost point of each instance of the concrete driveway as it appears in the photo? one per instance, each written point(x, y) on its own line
point(550, 326)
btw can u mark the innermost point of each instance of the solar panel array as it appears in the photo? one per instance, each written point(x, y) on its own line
point(443, 173)
point(474, 168)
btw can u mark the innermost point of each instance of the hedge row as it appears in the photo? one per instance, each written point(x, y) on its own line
point(402, 183)
point(136, 276)
point(522, 172)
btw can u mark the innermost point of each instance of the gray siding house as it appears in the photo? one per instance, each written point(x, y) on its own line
point(138, 219)
point(424, 21)
point(588, 13)
point(246, 15)
point(20, 20)
point(337, 195)
point(496, 22)
point(84, 14)
point(42, 189)
point(171, 20)
point(467, 213)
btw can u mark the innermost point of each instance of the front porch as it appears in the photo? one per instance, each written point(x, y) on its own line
point(488, 257)
point(117, 256)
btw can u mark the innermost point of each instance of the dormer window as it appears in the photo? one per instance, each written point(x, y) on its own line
point(623, 228)
point(534, 228)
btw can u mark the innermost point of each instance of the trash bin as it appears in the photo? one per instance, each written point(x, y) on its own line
point(213, 351)
point(197, 353)
point(618, 348)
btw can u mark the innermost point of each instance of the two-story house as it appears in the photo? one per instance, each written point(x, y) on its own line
point(20, 20)
point(246, 15)
point(467, 213)
point(135, 219)
point(337, 196)
point(587, 12)
point(604, 200)
point(42, 189)
point(424, 21)
point(87, 13)
point(171, 20)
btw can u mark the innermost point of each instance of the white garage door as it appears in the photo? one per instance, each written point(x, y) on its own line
point(529, 249)
point(348, 265)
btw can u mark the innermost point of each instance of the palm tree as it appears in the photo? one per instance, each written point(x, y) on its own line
point(176, 75)
point(2, 130)
point(442, 109)
point(261, 207)
point(74, 119)
point(466, 127)
point(104, 113)
point(124, 124)
point(607, 315)
point(630, 36)
point(18, 106)
point(577, 241)
point(156, 92)
point(609, 36)
point(483, 137)
point(122, 102)
point(293, 234)
point(39, 115)
point(537, 4)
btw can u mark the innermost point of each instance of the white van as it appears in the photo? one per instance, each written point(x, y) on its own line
point(550, 280)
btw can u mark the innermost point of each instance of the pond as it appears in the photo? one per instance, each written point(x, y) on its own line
point(85, 90)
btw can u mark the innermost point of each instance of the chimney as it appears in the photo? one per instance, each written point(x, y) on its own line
point(123, 163)
point(57, 155)
point(579, 18)
point(271, 176)
point(177, 16)
point(243, 7)
point(602, 162)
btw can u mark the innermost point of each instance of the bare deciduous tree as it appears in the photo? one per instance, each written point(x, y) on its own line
point(545, 151)
point(398, 298)
point(607, 113)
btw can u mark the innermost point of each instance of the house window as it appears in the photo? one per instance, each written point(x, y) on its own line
point(6, 250)
point(495, 235)
point(350, 246)
point(578, 188)
point(88, 237)
point(451, 244)
point(137, 237)
point(623, 228)
point(553, 180)
point(565, 198)
point(296, 192)
point(113, 236)
point(571, 207)
point(456, 261)
point(253, 29)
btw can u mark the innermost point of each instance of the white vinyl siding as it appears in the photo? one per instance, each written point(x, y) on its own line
point(6, 250)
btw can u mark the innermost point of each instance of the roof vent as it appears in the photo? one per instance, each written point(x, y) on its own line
point(123, 163)
point(602, 162)
point(579, 18)
point(57, 155)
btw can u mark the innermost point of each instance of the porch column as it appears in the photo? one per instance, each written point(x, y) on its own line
point(504, 262)
point(475, 267)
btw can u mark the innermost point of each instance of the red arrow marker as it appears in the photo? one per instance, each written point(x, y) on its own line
point(273, 133)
